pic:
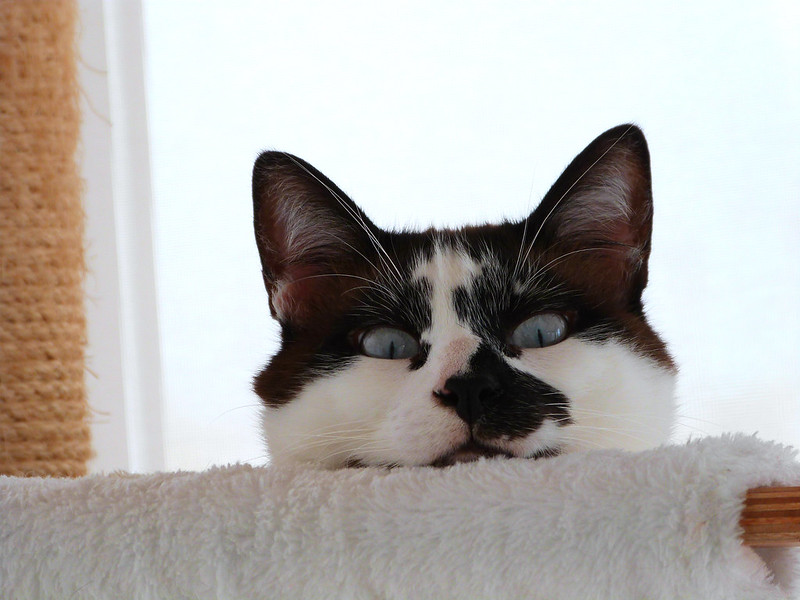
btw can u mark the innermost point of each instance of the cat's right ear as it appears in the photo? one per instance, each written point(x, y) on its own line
point(595, 222)
point(309, 234)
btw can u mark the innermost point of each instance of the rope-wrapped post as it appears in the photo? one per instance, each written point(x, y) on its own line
point(43, 407)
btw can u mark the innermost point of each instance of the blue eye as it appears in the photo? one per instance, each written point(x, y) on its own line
point(540, 330)
point(388, 342)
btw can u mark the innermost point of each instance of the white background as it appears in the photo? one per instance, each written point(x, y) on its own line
point(454, 112)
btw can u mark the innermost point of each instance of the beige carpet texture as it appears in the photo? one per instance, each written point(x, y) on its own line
point(43, 408)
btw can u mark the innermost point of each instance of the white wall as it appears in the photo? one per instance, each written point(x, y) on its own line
point(450, 112)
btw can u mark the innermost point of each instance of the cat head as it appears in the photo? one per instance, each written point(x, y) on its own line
point(520, 339)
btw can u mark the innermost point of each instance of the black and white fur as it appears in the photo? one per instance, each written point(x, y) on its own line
point(467, 391)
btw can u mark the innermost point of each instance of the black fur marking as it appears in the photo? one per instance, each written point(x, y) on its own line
point(421, 358)
point(520, 402)
point(407, 307)
point(492, 309)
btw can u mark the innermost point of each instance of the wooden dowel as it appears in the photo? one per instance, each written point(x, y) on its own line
point(771, 517)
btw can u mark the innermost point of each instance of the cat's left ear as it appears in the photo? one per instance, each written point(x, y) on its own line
point(311, 237)
point(594, 224)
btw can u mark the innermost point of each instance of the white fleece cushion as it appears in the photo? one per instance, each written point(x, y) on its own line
point(608, 524)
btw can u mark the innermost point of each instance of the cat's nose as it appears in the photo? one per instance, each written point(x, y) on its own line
point(469, 394)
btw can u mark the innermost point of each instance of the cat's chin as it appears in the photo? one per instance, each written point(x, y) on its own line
point(472, 451)
point(468, 452)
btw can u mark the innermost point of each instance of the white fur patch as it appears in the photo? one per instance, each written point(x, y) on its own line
point(452, 342)
point(618, 398)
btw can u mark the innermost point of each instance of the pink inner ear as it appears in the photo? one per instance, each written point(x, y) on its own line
point(298, 290)
point(604, 202)
point(602, 230)
point(303, 245)
point(285, 304)
point(299, 232)
point(311, 237)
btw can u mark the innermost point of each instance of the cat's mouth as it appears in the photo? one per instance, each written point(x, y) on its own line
point(468, 452)
point(472, 451)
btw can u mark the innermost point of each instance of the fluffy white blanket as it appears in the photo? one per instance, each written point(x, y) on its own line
point(605, 524)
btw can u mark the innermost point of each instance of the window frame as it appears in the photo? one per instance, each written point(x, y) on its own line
point(123, 358)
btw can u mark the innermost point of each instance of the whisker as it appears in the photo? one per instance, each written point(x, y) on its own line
point(623, 432)
point(519, 254)
point(234, 409)
point(351, 453)
point(329, 434)
point(370, 281)
point(353, 213)
point(569, 189)
point(531, 281)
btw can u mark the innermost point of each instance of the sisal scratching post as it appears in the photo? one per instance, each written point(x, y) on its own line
point(43, 408)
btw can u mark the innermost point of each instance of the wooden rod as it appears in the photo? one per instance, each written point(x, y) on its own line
point(771, 517)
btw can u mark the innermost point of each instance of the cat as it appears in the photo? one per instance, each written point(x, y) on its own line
point(520, 339)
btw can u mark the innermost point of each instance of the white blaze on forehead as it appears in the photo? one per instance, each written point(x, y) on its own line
point(451, 341)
